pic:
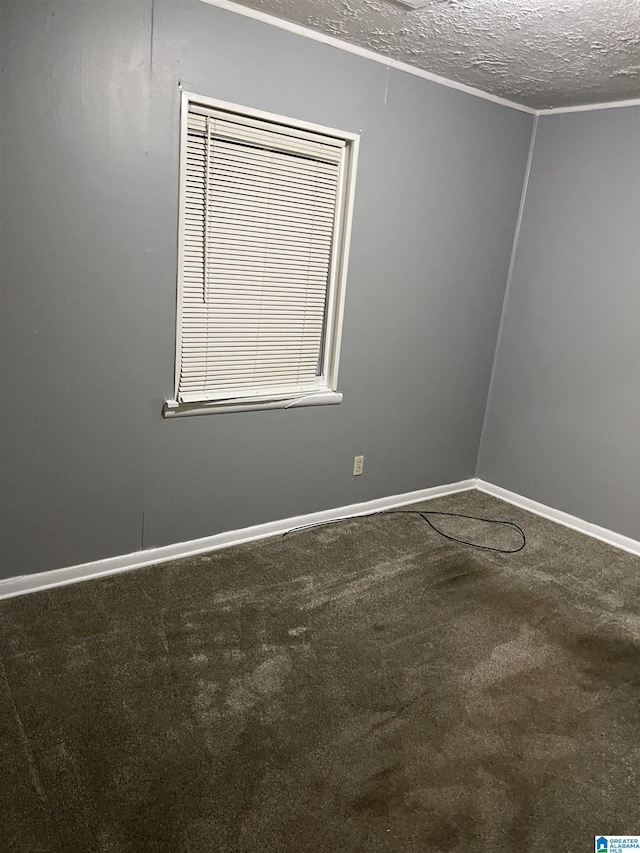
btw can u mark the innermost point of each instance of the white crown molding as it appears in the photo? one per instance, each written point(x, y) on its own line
point(584, 108)
point(602, 533)
point(298, 29)
point(114, 565)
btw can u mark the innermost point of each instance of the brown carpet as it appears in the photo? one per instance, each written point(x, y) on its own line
point(366, 686)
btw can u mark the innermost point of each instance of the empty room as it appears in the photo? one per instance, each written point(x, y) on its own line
point(320, 426)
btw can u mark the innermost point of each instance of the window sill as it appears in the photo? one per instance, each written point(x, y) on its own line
point(174, 409)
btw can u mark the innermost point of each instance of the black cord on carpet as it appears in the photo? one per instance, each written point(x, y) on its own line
point(423, 513)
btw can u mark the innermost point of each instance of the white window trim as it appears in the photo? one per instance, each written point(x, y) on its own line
point(328, 394)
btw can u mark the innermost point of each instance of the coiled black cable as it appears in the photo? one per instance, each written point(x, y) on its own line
point(424, 514)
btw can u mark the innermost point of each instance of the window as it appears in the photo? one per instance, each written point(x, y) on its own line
point(265, 211)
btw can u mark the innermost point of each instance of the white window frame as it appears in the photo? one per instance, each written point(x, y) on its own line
point(328, 393)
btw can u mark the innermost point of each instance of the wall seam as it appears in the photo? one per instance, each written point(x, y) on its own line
point(145, 452)
point(507, 290)
point(153, 11)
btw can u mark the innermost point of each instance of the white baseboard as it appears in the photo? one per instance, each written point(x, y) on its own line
point(593, 530)
point(113, 565)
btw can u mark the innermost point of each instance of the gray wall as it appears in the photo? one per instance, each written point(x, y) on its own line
point(563, 423)
point(89, 204)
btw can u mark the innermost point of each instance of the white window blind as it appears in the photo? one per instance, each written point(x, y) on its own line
point(263, 205)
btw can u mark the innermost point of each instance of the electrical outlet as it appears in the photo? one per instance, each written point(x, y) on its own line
point(358, 465)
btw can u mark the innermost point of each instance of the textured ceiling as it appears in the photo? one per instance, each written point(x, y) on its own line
point(540, 53)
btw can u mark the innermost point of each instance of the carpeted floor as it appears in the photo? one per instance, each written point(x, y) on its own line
point(366, 686)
